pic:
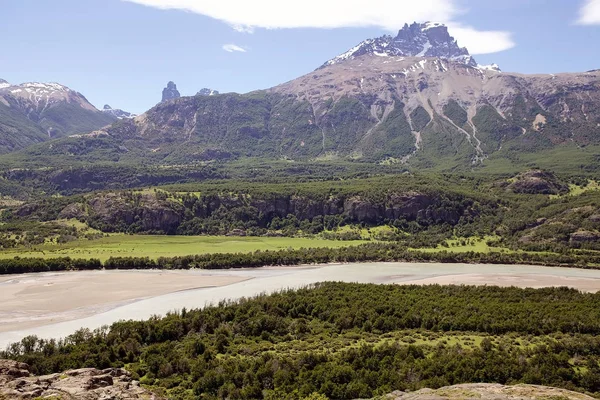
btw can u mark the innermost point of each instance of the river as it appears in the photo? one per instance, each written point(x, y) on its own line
point(237, 283)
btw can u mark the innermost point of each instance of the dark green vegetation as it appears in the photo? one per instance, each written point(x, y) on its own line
point(17, 131)
point(347, 341)
point(534, 211)
point(382, 252)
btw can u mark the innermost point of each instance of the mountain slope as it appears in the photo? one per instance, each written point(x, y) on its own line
point(34, 112)
point(416, 98)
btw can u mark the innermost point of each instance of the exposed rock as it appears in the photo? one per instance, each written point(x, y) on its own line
point(585, 236)
point(489, 391)
point(416, 40)
point(170, 92)
point(73, 211)
point(537, 182)
point(17, 383)
point(114, 211)
point(116, 112)
point(594, 218)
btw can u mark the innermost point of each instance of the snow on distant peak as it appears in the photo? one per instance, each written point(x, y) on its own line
point(490, 67)
point(118, 113)
point(48, 87)
point(4, 84)
point(207, 92)
point(430, 39)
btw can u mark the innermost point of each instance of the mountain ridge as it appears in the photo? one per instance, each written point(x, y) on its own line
point(436, 108)
point(429, 39)
point(34, 112)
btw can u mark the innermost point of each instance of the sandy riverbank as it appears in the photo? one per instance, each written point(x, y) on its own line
point(32, 300)
point(54, 305)
point(519, 280)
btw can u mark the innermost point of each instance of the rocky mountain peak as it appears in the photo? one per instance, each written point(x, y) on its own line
point(116, 112)
point(170, 92)
point(207, 92)
point(429, 39)
point(4, 84)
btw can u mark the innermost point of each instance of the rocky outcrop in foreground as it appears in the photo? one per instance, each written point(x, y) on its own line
point(487, 391)
point(16, 383)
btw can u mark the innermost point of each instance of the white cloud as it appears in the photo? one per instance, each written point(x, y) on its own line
point(246, 15)
point(589, 14)
point(233, 47)
point(481, 42)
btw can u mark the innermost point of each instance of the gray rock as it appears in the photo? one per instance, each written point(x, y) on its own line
point(170, 92)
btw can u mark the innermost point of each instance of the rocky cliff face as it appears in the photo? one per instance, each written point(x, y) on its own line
point(416, 40)
point(159, 213)
point(170, 92)
point(116, 112)
point(17, 383)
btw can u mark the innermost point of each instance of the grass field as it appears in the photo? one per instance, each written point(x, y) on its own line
point(463, 245)
point(169, 246)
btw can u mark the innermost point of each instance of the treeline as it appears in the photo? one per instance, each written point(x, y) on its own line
point(346, 341)
point(374, 252)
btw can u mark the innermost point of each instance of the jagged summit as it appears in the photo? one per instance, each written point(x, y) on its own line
point(170, 92)
point(430, 39)
point(116, 112)
point(207, 92)
point(4, 84)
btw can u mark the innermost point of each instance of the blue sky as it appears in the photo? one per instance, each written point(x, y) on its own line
point(124, 52)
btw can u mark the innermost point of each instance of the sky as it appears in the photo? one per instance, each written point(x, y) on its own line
point(123, 52)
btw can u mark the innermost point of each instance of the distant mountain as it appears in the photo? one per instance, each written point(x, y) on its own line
point(118, 113)
point(207, 92)
point(416, 98)
point(34, 112)
point(170, 92)
point(417, 40)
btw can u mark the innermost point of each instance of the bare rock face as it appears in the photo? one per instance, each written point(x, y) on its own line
point(487, 391)
point(537, 182)
point(148, 210)
point(416, 40)
point(585, 237)
point(170, 92)
point(17, 383)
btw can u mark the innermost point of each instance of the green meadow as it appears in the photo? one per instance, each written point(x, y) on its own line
point(156, 246)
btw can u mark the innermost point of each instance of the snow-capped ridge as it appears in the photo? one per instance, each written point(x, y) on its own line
point(429, 39)
point(489, 67)
point(118, 113)
point(207, 92)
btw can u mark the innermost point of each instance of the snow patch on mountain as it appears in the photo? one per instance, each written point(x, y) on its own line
point(207, 92)
point(489, 67)
point(118, 113)
point(430, 39)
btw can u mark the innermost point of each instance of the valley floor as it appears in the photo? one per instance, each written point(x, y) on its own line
point(56, 304)
point(155, 246)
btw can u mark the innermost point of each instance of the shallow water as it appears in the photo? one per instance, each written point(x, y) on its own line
point(268, 280)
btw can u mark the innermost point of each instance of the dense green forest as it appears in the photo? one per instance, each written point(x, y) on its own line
point(534, 211)
point(347, 341)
